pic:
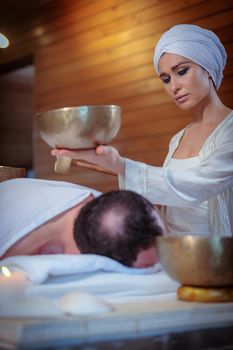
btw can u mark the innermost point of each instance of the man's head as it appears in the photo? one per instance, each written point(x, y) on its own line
point(121, 225)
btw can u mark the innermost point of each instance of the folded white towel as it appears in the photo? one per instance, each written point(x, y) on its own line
point(39, 267)
point(112, 286)
point(52, 277)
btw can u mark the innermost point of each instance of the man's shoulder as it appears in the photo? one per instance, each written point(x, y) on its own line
point(30, 183)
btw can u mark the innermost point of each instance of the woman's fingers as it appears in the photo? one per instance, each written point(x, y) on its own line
point(88, 155)
point(83, 154)
point(105, 156)
point(75, 154)
point(104, 150)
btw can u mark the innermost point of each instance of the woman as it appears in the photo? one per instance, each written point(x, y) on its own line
point(195, 185)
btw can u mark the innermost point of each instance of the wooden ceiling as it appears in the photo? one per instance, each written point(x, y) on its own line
point(15, 16)
point(11, 10)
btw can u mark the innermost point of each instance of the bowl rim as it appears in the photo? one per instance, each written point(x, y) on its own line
point(78, 107)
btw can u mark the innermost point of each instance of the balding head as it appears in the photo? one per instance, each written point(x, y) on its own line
point(113, 220)
point(118, 224)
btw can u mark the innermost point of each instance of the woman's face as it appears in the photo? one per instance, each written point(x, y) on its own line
point(185, 82)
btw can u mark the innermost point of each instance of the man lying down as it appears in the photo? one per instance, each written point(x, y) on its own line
point(55, 217)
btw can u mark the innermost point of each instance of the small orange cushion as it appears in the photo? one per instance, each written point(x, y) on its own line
point(207, 295)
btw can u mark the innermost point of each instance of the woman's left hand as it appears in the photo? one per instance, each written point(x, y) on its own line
point(104, 156)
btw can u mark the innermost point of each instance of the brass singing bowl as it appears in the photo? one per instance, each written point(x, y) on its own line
point(197, 261)
point(79, 127)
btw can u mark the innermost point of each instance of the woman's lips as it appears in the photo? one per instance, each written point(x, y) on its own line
point(182, 98)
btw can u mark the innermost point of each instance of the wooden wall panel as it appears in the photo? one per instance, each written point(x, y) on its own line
point(101, 52)
point(16, 111)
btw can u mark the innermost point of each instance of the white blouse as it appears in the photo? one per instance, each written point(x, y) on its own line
point(211, 180)
point(186, 220)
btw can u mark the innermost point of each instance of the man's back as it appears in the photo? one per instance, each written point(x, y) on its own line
point(26, 204)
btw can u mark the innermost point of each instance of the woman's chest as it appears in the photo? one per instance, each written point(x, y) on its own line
point(192, 141)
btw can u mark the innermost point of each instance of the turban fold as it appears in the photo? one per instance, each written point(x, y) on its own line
point(200, 45)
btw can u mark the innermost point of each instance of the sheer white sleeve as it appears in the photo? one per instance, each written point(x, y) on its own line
point(184, 187)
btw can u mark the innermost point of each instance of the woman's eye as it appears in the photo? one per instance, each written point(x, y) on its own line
point(183, 71)
point(166, 80)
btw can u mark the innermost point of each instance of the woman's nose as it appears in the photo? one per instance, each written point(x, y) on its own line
point(175, 85)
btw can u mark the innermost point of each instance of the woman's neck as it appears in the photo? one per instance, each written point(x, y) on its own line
point(210, 110)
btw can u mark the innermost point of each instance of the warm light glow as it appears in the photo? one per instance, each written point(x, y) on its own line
point(4, 42)
point(39, 31)
point(5, 271)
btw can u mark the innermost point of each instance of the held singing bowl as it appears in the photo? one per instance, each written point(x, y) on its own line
point(79, 127)
point(197, 261)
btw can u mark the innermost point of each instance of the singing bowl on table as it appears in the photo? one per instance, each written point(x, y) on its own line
point(79, 127)
point(197, 261)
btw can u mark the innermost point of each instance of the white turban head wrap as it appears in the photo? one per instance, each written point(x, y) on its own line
point(200, 45)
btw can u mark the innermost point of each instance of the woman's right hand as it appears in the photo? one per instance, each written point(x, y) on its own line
point(104, 156)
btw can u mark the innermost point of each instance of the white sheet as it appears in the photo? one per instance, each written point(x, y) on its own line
point(26, 204)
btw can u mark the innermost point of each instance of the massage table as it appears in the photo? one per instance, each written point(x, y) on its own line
point(140, 308)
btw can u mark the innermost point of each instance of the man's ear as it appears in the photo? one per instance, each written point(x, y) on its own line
point(53, 247)
point(146, 258)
